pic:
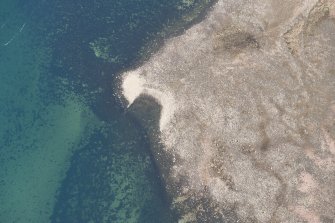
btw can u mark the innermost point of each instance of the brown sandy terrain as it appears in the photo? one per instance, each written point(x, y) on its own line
point(248, 112)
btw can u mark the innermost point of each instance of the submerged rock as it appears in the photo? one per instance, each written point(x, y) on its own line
point(248, 112)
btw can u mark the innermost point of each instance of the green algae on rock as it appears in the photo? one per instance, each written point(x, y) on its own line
point(103, 50)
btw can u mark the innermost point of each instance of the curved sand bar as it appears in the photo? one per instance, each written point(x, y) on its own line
point(248, 112)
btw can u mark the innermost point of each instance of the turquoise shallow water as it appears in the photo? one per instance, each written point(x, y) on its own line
point(68, 150)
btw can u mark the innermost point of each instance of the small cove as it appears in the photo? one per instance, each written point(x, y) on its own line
point(68, 150)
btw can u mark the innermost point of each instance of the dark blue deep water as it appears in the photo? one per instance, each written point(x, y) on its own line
point(69, 149)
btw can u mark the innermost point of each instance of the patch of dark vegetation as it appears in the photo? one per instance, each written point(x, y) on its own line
point(239, 40)
point(234, 40)
point(209, 210)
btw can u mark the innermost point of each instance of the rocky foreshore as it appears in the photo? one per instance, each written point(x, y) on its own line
point(248, 112)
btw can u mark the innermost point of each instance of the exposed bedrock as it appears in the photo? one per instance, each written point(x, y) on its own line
point(248, 112)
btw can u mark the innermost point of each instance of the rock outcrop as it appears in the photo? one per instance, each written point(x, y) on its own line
point(248, 112)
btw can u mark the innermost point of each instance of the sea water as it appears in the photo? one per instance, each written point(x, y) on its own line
point(68, 150)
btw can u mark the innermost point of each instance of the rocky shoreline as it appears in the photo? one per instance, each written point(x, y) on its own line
point(248, 112)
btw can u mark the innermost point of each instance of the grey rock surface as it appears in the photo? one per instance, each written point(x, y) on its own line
point(248, 112)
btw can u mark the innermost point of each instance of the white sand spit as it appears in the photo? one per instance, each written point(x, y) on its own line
point(133, 86)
